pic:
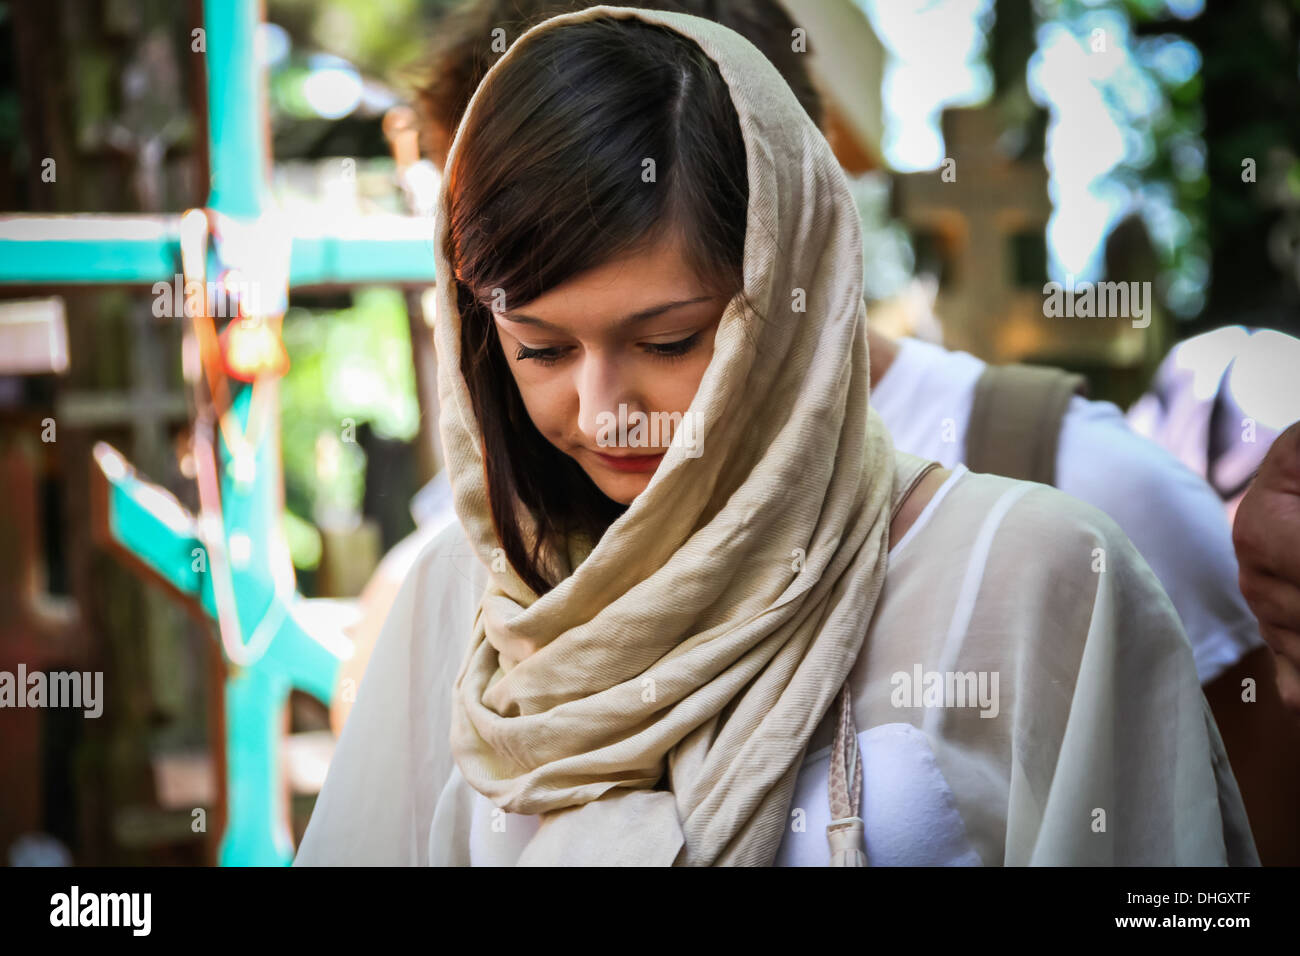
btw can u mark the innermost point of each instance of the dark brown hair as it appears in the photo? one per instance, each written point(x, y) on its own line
point(546, 184)
point(464, 48)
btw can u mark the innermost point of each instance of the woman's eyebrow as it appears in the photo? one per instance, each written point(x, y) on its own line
point(632, 319)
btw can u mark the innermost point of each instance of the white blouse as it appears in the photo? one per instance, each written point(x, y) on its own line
point(1093, 746)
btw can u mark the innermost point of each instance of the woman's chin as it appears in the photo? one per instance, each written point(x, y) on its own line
point(619, 478)
point(621, 488)
point(625, 489)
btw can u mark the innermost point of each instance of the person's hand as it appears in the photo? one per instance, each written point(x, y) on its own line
point(1266, 534)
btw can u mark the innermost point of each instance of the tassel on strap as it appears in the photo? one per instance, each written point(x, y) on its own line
point(846, 841)
point(846, 831)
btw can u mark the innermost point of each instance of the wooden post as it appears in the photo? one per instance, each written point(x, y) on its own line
point(38, 631)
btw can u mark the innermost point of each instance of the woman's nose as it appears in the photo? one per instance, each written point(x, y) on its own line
point(602, 387)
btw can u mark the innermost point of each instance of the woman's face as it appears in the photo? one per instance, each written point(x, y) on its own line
point(636, 332)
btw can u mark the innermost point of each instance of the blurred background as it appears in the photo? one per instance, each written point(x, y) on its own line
point(1090, 135)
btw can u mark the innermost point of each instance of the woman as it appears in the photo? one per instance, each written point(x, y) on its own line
point(685, 651)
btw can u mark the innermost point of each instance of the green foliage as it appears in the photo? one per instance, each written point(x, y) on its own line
point(347, 367)
point(381, 37)
point(304, 542)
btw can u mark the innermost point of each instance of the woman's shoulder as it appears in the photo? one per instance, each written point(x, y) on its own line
point(998, 556)
point(1015, 602)
point(425, 618)
point(991, 514)
point(437, 559)
point(445, 579)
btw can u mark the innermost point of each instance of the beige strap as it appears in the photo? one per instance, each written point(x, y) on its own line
point(909, 475)
point(846, 832)
point(1015, 420)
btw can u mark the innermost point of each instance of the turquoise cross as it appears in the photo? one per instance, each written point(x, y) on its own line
point(143, 524)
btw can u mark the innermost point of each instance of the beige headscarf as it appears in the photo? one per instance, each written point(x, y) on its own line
point(709, 630)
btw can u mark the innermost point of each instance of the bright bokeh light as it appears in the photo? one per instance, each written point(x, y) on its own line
point(1207, 356)
point(332, 90)
point(1084, 143)
point(1265, 379)
point(273, 44)
point(936, 59)
point(1100, 100)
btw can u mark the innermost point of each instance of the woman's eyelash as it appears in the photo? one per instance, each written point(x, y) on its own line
point(665, 350)
point(673, 349)
point(540, 356)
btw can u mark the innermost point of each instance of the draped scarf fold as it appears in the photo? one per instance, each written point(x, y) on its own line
point(656, 705)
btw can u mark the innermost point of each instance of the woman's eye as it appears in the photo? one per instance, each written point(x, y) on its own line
point(673, 349)
point(540, 356)
point(665, 350)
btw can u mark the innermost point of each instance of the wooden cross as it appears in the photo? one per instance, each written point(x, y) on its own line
point(975, 207)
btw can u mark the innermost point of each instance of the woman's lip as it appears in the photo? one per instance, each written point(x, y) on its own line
point(631, 462)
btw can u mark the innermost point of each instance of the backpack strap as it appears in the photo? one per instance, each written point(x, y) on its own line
point(1015, 420)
